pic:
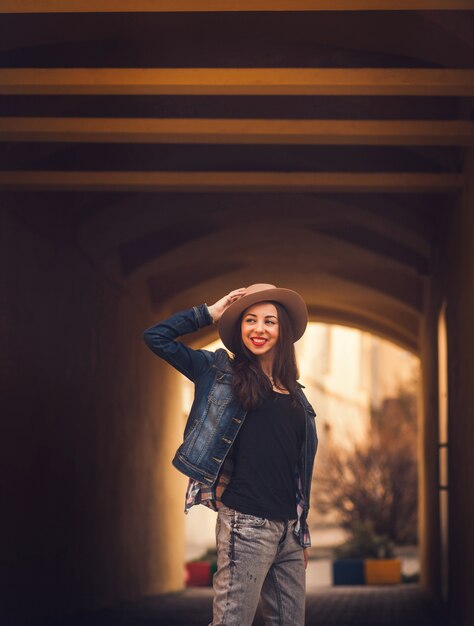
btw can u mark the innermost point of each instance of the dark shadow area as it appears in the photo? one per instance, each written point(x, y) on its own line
point(406, 605)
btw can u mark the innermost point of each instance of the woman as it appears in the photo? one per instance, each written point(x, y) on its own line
point(249, 447)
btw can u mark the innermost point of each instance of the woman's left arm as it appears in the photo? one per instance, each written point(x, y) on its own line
point(306, 557)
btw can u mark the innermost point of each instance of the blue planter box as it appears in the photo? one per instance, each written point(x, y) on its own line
point(348, 572)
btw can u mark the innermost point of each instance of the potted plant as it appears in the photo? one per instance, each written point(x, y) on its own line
point(366, 558)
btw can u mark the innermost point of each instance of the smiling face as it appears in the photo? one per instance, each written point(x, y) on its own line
point(260, 328)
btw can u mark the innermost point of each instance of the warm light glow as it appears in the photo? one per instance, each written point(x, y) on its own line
point(346, 373)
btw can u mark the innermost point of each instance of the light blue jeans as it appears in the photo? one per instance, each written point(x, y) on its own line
point(257, 558)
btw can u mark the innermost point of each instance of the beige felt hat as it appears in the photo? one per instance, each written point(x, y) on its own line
point(263, 292)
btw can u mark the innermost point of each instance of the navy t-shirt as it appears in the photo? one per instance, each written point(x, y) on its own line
point(266, 454)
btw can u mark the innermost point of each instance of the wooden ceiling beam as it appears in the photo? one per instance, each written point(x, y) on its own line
point(162, 6)
point(238, 81)
point(188, 182)
point(236, 131)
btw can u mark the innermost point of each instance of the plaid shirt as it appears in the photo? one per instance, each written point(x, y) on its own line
point(210, 496)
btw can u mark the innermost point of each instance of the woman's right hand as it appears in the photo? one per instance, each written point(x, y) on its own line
point(218, 308)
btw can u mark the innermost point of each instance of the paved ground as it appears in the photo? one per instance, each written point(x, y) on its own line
point(401, 605)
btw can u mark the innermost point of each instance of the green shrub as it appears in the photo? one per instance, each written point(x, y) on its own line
point(365, 544)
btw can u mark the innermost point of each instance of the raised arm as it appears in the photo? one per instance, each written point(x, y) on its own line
point(161, 338)
point(224, 303)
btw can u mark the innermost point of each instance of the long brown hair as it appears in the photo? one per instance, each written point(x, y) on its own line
point(250, 384)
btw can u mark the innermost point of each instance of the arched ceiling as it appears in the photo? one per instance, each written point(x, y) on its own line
point(364, 266)
point(189, 148)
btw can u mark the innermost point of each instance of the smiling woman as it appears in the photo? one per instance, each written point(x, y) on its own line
point(249, 447)
point(264, 356)
point(260, 328)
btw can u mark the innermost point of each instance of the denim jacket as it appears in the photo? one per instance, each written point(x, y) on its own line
point(216, 416)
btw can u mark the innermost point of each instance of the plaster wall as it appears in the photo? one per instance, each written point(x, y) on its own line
point(90, 420)
point(458, 286)
point(452, 283)
point(428, 505)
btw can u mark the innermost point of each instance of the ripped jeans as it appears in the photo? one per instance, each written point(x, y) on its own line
point(257, 558)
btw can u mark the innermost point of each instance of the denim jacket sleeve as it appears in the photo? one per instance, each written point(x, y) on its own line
point(161, 339)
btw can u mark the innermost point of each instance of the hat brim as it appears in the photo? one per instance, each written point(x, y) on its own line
point(291, 300)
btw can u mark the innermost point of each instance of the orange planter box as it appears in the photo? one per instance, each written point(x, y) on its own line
point(382, 571)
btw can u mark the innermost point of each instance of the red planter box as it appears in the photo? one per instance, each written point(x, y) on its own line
point(198, 574)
